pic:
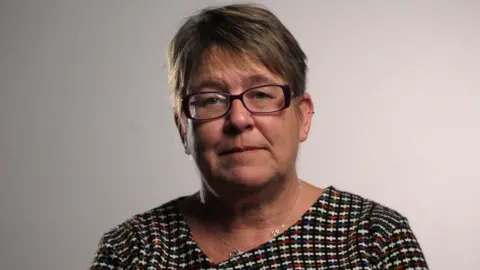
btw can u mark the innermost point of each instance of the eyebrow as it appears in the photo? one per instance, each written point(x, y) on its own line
point(211, 84)
point(255, 80)
point(220, 85)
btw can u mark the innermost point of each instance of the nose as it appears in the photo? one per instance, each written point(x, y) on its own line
point(239, 118)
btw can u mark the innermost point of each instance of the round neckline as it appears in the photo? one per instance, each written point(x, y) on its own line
point(190, 240)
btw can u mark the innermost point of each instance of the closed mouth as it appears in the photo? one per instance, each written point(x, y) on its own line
point(239, 150)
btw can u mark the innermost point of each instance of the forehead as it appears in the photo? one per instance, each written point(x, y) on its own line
point(232, 70)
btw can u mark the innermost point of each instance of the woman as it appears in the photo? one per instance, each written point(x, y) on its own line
point(238, 79)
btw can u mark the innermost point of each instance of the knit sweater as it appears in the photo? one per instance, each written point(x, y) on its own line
point(340, 230)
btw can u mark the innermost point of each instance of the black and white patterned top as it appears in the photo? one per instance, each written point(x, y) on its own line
point(339, 231)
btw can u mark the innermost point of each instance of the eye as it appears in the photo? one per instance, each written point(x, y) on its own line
point(259, 94)
point(207, 100)
point(212, 100)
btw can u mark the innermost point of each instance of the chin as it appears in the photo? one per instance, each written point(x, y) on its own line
point(246, 177)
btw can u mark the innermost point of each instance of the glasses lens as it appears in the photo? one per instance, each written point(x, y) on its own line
point(208, 105)
point(265, 99)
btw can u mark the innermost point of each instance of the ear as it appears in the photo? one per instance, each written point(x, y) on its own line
point(305, 112)
point(182, 131)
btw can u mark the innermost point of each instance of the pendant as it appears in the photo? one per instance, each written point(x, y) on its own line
point(234, 253)
point(275, 232)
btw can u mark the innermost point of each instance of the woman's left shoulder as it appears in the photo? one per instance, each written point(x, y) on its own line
point(386, 232)
point(362, 209)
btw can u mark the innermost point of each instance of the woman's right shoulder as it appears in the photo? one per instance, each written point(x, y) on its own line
point(159, 219)
point(151, 228)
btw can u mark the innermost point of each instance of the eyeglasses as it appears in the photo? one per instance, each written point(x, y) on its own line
point(262, 99)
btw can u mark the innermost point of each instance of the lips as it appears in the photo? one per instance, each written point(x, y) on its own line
point(234, 150)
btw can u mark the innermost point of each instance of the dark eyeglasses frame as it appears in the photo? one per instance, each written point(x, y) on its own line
point(286, 92)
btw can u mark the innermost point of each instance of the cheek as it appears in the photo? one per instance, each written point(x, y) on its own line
point(289, 142)
point(205, 136)
point(281, 133)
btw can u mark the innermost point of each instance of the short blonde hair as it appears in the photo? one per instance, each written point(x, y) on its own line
point(243, 29)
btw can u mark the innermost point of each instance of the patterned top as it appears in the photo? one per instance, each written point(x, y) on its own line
point(339, 231)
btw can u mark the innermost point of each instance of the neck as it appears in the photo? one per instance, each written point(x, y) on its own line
point(252, 209)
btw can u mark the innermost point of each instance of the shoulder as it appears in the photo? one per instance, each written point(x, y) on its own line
point(154, 227)
point(383, 233)
point(360, 209)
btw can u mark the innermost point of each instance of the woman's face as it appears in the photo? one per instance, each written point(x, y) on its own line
point(241, 149)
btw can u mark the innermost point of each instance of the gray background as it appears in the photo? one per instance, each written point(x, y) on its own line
point(87, 137)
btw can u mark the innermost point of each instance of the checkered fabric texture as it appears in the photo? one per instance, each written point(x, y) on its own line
point(339, 231)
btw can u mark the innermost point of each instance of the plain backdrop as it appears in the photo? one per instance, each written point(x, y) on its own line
point(87, 137)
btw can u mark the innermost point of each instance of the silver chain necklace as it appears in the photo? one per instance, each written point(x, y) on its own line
point(274, 233)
